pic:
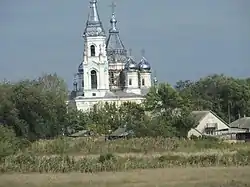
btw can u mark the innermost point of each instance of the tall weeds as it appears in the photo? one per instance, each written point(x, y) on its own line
point(109, 162)
point(136, 145)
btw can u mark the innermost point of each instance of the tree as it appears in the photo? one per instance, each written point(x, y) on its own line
point(227, 96)
point(162, 97)
point(170, 111)
point(34, 108)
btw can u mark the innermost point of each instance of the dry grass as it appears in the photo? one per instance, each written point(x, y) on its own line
point(175, 177)
point(152, 154)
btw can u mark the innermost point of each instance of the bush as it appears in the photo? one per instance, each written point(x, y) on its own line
point(109, 162)
point(135, 145)
point(106, 157)
point(9, 143)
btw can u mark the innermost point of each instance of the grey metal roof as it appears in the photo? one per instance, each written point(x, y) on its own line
point(199, 115)
point(121, 94)
point(121, 131)
point(114, 94)
point(80, 133)
point(94, 25)
point(241, 123)
point(114, 44)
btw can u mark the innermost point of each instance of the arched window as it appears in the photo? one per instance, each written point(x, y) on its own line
point(93, 79)
point(143, 82)
point(130, 82)
point(92, 50)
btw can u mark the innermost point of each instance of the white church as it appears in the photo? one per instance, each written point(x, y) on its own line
point(108, 73)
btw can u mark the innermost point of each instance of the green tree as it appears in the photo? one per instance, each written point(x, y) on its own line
point(227, 96)
point(169, 110)
point(34, 108)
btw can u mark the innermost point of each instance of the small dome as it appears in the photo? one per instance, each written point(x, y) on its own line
point(131, 64)
point(144, 64)
point(80, 68)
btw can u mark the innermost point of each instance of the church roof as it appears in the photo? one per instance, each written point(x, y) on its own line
point(114, 43)
point(94, 25)
point(120, 94)
point(117, 94)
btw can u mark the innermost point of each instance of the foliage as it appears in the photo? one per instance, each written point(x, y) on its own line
point(86, 146)
point(34, 109)
point(169, 110)
point(9, 143)
point(228, 97)
point(32, 163)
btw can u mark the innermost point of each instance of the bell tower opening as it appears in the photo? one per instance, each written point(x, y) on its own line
point(93, 79)
point(143, 82)
point(92, 50)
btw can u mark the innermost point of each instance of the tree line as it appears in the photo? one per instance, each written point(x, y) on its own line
point(36, 109)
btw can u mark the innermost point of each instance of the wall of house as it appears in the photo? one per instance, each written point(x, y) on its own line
point(193, 132)
point(211, 118)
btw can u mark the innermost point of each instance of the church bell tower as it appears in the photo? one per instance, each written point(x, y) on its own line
point(95, 63)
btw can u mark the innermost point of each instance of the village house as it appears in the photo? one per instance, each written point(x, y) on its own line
point(207, 123)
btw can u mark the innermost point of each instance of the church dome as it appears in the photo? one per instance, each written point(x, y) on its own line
point(144, 64)
point(80, 68)
point(131, 64)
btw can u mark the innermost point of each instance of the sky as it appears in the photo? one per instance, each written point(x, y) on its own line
point(183, 40)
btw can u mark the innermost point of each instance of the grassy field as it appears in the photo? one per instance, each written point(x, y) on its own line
point(91, 155)
point(171, 177)
point(139, 162)
point(91, 146)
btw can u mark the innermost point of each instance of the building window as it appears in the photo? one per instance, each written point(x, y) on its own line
point(112, 77)
point(130, 82)
point(93, 79)
point(143, 82)
point(210, 131)
point(93, 94)
point(92, 50)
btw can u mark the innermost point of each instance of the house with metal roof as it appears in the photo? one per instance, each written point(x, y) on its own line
point(242, 123)
point(207, 123)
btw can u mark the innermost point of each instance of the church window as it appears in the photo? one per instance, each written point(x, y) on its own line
point(93, 94)
point(93, 79)
point(130, 82)
point(143, 82)
point(92, 50)
point(112, 77)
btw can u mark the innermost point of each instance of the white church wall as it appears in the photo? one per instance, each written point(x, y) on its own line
point(132, 82)
point(97, 62)
point(87, 104)
point(146, 76)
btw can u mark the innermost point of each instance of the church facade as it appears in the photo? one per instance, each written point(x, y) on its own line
point(108, 73)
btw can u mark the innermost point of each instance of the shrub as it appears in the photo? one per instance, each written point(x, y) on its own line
point(106, 157)
point(135, 145)
point(109, 162)
point(9, 143)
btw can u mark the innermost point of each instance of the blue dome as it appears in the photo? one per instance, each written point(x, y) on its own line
point(144, 64)
point(80, 68)
point(131, 64)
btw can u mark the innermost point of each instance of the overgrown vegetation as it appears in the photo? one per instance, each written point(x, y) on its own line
point(86, 146)
point(109, 162)
point(90, 155)
point(34, 120)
